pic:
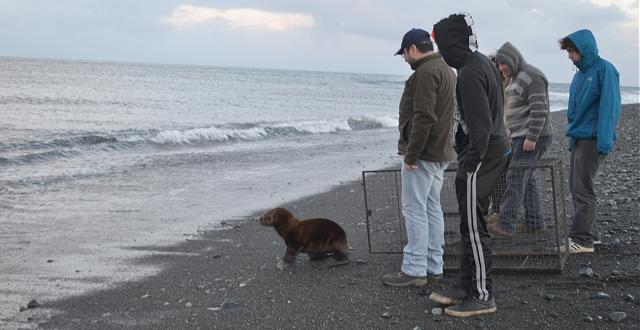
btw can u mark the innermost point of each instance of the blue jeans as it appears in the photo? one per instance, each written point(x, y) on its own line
point(423, 218)
point(522, 187)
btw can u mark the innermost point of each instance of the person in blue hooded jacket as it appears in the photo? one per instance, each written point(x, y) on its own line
point(594, 109)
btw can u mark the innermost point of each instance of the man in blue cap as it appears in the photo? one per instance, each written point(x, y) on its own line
point(425, 125)
point(594, 110)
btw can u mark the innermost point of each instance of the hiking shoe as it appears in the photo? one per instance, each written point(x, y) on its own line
point(402, 279)
point(497, 230)
point(472, 307)
point(493, 218)
point(434, 278)
point(451, 296)
point(531, 228)
point(575, 248)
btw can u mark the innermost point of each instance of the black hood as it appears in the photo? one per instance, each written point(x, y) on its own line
point(451, 35)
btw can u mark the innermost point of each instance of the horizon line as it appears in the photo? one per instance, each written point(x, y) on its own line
point(218, 66)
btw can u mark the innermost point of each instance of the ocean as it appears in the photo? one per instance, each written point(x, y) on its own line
point(99, 158)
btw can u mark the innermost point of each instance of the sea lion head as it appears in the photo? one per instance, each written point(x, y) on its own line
point(275, 216)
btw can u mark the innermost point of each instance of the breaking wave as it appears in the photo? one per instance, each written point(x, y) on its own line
point(74, 145)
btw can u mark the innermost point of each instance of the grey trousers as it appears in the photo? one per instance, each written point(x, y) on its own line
point(584, 165)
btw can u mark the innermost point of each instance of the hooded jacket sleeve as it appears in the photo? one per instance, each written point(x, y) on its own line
point(424, 116)
point(538, 107)
point(477, 114)
point(609, 108)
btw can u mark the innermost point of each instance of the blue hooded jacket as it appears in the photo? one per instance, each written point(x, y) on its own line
point(594, 96)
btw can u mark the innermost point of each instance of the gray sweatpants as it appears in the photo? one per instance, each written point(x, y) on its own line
point(583, 171)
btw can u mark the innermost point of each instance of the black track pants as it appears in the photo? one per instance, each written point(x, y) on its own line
point(473, 193)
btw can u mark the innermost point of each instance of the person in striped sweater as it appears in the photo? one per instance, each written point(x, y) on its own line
point(530, 131)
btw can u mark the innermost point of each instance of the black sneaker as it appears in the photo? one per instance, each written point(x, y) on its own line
point(451, 296)
point(472, 307)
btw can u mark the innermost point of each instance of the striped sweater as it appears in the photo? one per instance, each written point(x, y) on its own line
point(527, 96)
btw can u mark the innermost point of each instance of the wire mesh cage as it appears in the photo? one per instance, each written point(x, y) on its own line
point(527, 217)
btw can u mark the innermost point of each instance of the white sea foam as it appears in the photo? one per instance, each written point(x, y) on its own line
point(265, 131)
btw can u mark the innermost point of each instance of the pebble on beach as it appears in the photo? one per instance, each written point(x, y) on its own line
point(586, 272)
point(228, 304)
point(601, 295)
point(617, 316)
point(33, 304)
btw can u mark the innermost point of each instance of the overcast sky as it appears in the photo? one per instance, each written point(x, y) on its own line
point(326, 35)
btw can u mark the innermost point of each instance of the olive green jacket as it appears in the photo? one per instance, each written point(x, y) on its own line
point(426, 112)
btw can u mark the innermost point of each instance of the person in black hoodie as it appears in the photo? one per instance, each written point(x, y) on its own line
point(482, 145)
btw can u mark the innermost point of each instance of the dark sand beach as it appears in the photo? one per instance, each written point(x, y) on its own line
point(228, 279)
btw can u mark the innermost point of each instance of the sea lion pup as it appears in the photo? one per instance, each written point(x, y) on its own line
point(319, 238)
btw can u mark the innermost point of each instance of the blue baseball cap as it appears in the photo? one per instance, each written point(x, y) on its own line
point(414, 36)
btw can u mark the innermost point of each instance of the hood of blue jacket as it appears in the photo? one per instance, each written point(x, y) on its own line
point(586, 44)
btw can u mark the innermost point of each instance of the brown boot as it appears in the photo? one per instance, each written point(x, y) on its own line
point(497, 230)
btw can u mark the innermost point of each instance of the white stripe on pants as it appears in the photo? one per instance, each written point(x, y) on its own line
point(474, 236)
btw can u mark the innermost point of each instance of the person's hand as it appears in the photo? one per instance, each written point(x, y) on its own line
point(411, 167)
point(528, 145)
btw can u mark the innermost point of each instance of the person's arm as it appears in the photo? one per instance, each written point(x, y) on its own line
point(477, 114)
point(424, 115)
point(571, 110)
point(538, 111)
point(609, 109)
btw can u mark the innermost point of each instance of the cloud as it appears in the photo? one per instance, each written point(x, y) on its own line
point(629, 26)
point(187, 15)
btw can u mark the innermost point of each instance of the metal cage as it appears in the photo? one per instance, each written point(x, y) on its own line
point(528, 245)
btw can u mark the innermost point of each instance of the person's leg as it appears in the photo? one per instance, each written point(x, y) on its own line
point(479, 185)
point(435, 218)
point(497, 195)
point(585, 164)
point(462, 289)
point(515, 190)
point(415, 186)
point(533, 211)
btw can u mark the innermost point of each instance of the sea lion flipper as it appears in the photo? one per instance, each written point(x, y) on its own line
point(341, 262)
point(318, 256)
point(283, 264)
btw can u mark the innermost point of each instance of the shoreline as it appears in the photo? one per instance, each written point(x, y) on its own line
point(83, 244)
point(227, 278)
